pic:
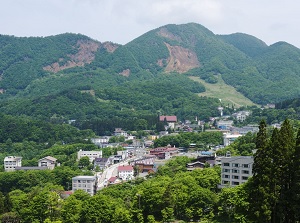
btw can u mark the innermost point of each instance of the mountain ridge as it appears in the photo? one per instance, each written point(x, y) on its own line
point(262, 73)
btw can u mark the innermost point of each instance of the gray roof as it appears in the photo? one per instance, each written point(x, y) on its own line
point(84, 178)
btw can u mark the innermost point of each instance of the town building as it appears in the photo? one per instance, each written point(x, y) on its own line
point(235, 170)
point(120, 132)
point(90, 154)
point(102, 162)
point(144, 164)
point(86, 183)
point(11, 162)
point(170, 120)
point(229, 138)
point(241, 115)
point(224, 124)
point(125, 172)
point(164, 152)
point(48, 162)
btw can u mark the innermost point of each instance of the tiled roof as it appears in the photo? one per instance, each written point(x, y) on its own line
point(172, 118)
point(125, 168)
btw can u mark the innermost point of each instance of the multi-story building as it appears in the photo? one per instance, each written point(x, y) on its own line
point(235, 170)
point(228, 138)
point(125, 172)
point(86, 183)
point(48, 162)
point(90, 154)
point(11, 162)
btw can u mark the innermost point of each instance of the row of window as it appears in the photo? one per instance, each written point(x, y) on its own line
point(83, 181)
point(234, 177)
point(82, 185)
point(224, 182)
point(236, 171)
point(237, 165)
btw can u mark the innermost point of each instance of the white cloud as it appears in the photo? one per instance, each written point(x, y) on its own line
point(123, 20)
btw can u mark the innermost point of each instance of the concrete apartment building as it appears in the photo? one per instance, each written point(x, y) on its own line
point(86, 183)
point(235, 170)
point(11, 162)
point(90, 154)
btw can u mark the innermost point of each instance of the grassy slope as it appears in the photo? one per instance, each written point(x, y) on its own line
point(226, 93)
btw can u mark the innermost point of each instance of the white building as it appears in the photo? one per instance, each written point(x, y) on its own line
point(241, 115)
point(125, 172)
point(235, 170)
point(120, 132)
point(229, 138)
point(90, 154)
point(11, 162)
point(48, 162)
point(86, 183)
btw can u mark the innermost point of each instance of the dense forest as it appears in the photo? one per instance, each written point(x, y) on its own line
point(35, 71)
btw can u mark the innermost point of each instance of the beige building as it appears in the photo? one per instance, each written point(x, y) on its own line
point(11, 162)
point(90, 154)
point(48, 162)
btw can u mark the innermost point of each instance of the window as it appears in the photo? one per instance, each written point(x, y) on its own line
point(235, 183)
point(235, 171)
point(235, 165)
point(235, 177)
point(84, 181)
point(244, 178)
point(225, 164)
point(225, 182)
point(245, 172)
point(246, 166)
point(226, 170)
point(79, 185)
point(225, 176)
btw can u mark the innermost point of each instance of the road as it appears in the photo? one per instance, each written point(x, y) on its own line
point(109, 172)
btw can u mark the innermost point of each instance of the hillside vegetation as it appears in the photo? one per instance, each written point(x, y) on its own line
point(147, 75)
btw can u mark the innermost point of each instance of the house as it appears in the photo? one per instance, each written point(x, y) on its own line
point(113, 180)
point(195, 165)
point(229, 138)
point(48, 162)
point(90, 154)
point(102, 162)
point(170, 120)
point(235, 170)
point(125, 172)
point(11, 162)
point(120, 132)
point(86, 183)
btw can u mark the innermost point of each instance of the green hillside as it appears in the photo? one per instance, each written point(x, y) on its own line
point(148, 75)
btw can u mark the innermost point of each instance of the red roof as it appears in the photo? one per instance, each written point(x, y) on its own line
point(172, 118)
point(112, 179)
point(125, 168)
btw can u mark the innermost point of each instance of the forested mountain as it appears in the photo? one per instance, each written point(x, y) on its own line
point(149, 75)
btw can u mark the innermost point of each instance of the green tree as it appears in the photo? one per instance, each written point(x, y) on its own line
point(260, 196)
point(84, 162)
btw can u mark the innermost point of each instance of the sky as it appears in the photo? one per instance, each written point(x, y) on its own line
point(121, 21)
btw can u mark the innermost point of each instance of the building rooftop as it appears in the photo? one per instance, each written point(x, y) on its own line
point(125, 168)
point(84, 178)
point(172, 118)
